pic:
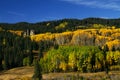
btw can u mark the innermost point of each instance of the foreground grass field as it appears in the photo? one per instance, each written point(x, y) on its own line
point(25, 73)
point(17, 73)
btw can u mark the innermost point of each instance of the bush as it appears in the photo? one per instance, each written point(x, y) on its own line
point(26, 61)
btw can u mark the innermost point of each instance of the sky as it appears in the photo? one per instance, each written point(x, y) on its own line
point(32, 11)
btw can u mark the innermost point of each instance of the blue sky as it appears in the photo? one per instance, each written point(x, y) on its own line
point(12, 11)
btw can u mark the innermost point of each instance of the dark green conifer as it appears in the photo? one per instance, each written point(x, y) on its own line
point(37, 71)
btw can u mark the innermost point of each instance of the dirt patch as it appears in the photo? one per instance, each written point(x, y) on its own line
point(17, 73)
point(26, 73)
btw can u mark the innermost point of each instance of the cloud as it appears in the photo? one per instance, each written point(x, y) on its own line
point(16, 13)
point(104, 4)
point(48, 18)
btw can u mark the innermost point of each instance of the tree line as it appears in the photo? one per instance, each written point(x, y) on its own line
point(61, 25)
point(81, 59)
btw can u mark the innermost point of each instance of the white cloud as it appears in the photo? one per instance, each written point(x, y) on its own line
point(105, 4)
point(47, 18)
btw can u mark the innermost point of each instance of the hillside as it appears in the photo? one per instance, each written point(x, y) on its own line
point(83, 37)
point(61, 25)
point(70, 45)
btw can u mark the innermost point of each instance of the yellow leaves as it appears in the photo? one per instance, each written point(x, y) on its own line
point(16, 32)
point(98, 37)
point(113, 57)
point(72, 60)
point(62, 25)
point(116, 36)
point(63, 66)
point(113, 27)
point(98, 26)
point(101, 40)
point(113, 44)
point(39, 37)
point(47, 24)
point(106, 32)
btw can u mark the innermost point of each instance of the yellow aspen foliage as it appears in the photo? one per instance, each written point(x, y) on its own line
point(97, 37)
point(16, 32)
point(63, 66)
point(101, 40)
point(117, 56)
point(110, 57)
point(94, 31)
point(113, 27)
point(113, 57)
point(116, 36)
point(72, 62)
point(62, 25)
point(39, 37)
point(98, 26)
point(47, 24)
point(106, 32)
point(113, 44)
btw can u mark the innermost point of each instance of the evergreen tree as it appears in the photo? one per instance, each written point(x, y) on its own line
point(41, 49)
point(37, 71)
point(11, 58)
point(6, 63)
point(92, 61)
point(31, 57)
point(56, 46)
point(0, 57)
point(0, 61)
point(106, 65)
point(113, 48)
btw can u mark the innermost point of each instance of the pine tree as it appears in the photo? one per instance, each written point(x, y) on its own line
point(41, 48)
point(37, 71)
point(56, 46)
point(6, 63)
point(0, 61)
point(0, 57)
point(92, 61)
point(106, 65)
point(31, 57)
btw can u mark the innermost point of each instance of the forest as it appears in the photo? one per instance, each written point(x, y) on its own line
point(68, 45)
point(61, 25)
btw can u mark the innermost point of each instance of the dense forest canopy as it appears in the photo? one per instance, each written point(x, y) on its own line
point(61, 25)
